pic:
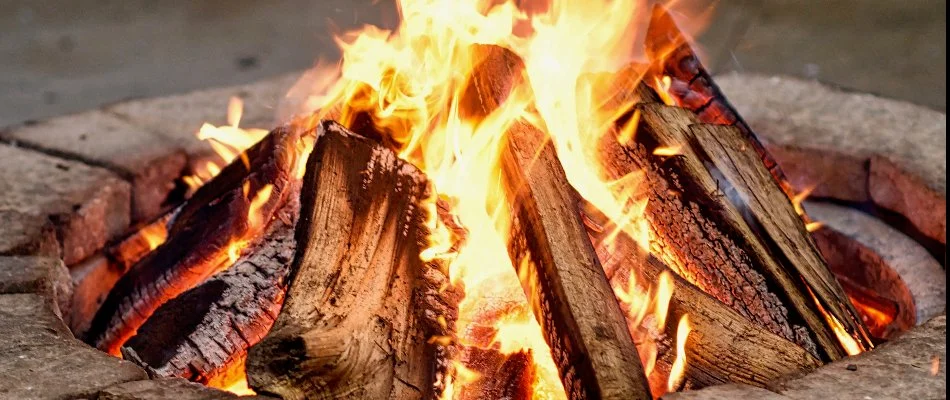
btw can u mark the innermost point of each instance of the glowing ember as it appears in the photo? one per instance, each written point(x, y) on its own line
point(240, 388)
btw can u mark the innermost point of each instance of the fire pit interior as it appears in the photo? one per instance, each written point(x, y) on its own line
point(499, 201)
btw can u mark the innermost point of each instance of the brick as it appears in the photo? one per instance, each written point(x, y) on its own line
point(39, 358)
point(27, 234)
point(150, 162)
point(45, 276)
point(85, 205)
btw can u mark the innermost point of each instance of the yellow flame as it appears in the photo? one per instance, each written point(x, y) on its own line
point(849, 343)
point(662, 86)
point(240, 388)
point(154, 235)
point(814, 226)
point(679, 364)
point(664, 151)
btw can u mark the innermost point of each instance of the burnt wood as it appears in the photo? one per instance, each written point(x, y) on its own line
point(724, 246)
point(693, 88)
point(361, 306)
point(723, 345)
point(203, 335)
point(198, 238)
point(562, 277)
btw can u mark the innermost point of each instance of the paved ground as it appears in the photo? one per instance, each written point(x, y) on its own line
point(66, 56)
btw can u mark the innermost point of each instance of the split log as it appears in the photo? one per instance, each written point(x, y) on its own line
point(562, 277)
point(200, 237)
point(723, 345)
point(693, 88)
point(203, 335)
point(753, 257)
point(361, 305)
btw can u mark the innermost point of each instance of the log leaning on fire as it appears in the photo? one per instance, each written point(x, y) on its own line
point(361, 306)
point(723, 345)
point(562, 276)
point(693, 87)
point(198, 238)
point(747, 253)
point(203, 335)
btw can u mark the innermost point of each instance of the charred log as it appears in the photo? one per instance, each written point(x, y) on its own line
point(693, 88)
point(757, 258)
point(723, 346)
point(361, 306)
point(203, 335)
point(200, 237)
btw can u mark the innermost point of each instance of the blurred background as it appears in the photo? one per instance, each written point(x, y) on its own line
point(62, 56)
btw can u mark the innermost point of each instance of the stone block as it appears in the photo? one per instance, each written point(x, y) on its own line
point(85, 205)
point(150, 162)
point(45, 276)
point(39, 358)
point(160, 389)
point(179, 117)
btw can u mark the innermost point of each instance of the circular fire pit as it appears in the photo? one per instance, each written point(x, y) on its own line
point(93, 175)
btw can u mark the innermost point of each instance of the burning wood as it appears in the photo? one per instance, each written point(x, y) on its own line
point(705, 236)
point(724, 346)
point(563, 278)
point(361, 307)
point(209, 230)
point(203, 335)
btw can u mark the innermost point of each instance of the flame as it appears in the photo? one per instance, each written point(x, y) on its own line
point(664, 151)
point(814, 226)
point(154, 235)
point(662, 86)
point(849, 343)
point(228, 142)
point(679, 364)
point(240, 388)
point(799, 198)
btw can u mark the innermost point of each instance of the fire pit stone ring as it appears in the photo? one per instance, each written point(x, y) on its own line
point(71, 184)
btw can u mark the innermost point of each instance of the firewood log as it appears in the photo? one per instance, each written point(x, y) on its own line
point(694, 89)
point(562, 277)
point(723, 346)
point(199, 238)
point(361, 306)
point(203, 335)
point(765, 270)
point(559, 271)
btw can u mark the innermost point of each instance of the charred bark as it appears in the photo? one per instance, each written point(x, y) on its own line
point(723, 346)
point(361, 305)
point(203, 335)
point(199, 238)
point(756, 260)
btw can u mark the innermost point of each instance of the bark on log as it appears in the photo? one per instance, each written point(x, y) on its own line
point(361, 306)
point(707, 239)
point(203, 335)
point(693, 88)
point(199, 237)
point(723, 346)
point(560, 273)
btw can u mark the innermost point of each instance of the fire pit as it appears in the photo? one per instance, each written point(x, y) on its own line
point(460, 212)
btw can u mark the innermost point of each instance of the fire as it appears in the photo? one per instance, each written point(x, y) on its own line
point(850, 345)
point(240, 388)
point(410, 82)
point(154, 235)
point(227, 141)
point(679, 365)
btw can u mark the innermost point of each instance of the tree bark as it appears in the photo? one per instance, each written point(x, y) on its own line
point(199, 237)
point(766, 275)
point(361, 306)
point(723, 345)
point(563, 279)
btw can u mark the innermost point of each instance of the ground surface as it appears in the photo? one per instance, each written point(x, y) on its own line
point(65, 56)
